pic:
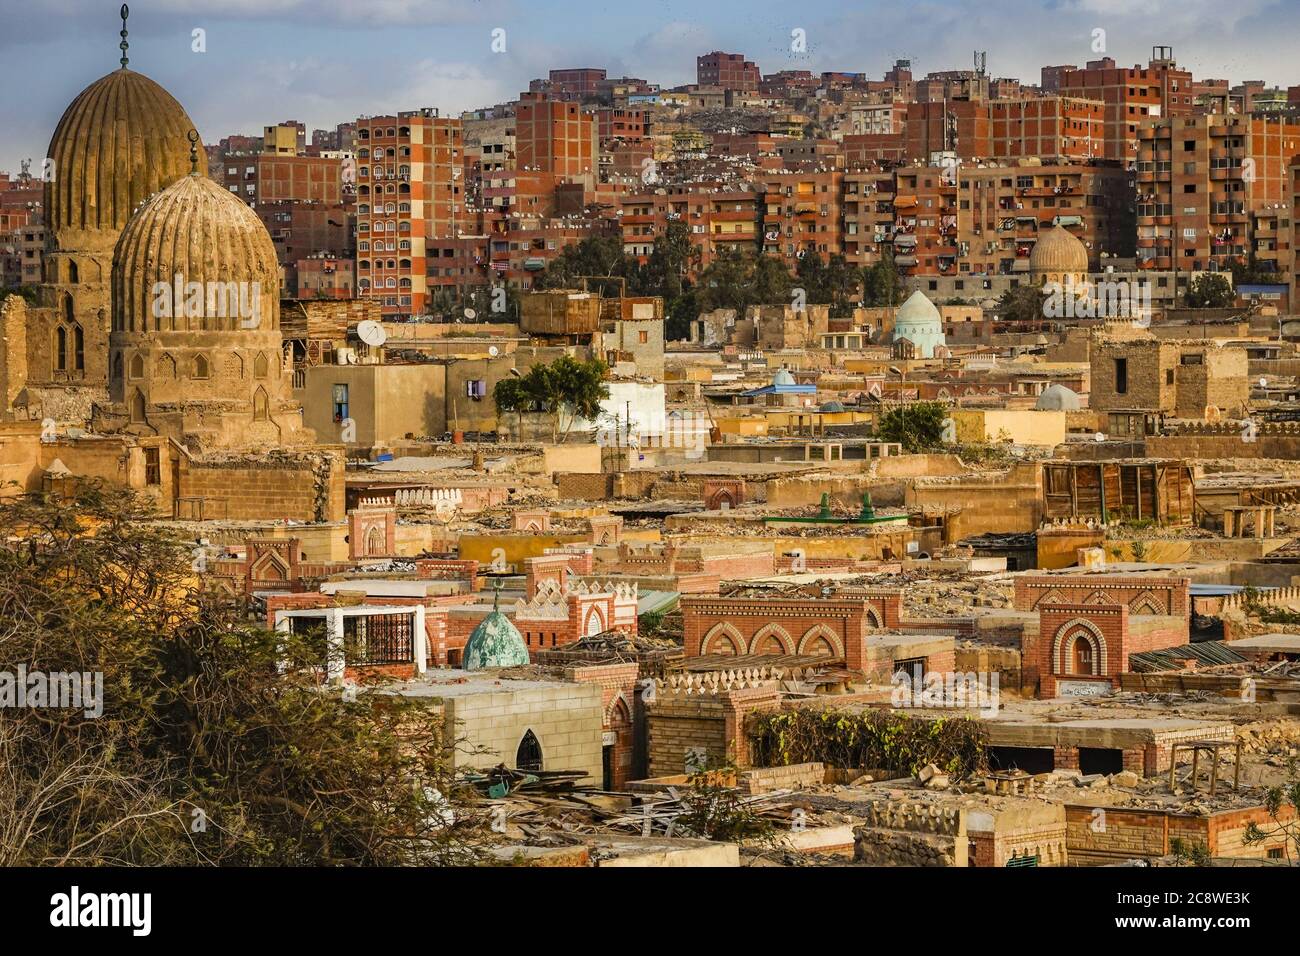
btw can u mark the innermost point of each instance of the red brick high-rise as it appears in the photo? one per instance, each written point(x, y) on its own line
point(409, 170)
point(552, 136)
point(731, 71)
point(1132, 96)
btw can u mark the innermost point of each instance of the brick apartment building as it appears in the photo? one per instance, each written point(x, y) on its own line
point(801, 214)
point(925, 220)
point(409, 170)
point(1200, 179)
point(1050, 127)
point(575, 84)
point(1002, 209)
point(625, 124)
point(557, 137)
point(730, 71)
point(1131, 96)
point(867, 207)
point(301, 230)
point(278, 177)
point(716, 221)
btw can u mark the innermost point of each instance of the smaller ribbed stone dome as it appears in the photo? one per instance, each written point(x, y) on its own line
point(1058, 252)
point(202, 233)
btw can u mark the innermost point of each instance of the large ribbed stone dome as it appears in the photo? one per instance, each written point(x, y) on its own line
point(119, 142)
point(202, 233)
point(1058, 253)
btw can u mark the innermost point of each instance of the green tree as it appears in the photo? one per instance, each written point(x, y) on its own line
point(843, 284)
point(1251, 272)
point(918, 427)
point(568, 388)
point(727, 283)
point(1283, 806)
point(881, 284)
point(770, 280)
point(1210, 290)
point(669, 263)
point(593, 256)
point(810, 275)
point(679, 314)
point(1022, 303)
point(217, 742)
point(512, 395)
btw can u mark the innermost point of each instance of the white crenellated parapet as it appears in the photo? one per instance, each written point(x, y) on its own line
point(426, 497)
point(713, 682)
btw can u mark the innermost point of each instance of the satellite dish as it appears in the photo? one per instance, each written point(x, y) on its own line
point(1099, 437)
point(493, 351)
point(372, 333)
point(1263, 383)
point(470, 314)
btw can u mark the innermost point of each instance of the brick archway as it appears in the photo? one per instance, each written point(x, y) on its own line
point(874, 619)
point(594, 623)
point(768, 635)
point(821, 639)
point(1064, 639)
point(722, 639)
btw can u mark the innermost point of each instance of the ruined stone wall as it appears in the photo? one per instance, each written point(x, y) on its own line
point(907, 833)
point(13, 351)
point(1219, 382)
point(299, 487)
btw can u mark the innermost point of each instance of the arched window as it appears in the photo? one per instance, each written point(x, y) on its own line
point(60, 349)
point(67, 308)
point(73, 276)
point(260, 366)
point(529, 754)
point(137, 365)
point(376, 542)
point(261, 405)
point(78, 348)
point(137, 406)
point(200, 367)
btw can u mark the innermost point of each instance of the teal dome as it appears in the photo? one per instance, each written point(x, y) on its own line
point(496, 642)
point(919, 322)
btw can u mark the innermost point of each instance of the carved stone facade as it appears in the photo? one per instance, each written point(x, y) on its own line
point(119, 142)
point(195, 352)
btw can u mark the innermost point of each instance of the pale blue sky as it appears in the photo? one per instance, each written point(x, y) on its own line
point(325, 61)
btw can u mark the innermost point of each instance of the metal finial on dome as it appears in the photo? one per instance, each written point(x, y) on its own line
point(126, 12)
point(193, 137)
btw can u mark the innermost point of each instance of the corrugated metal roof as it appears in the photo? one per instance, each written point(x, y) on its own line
point(1208, 653)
